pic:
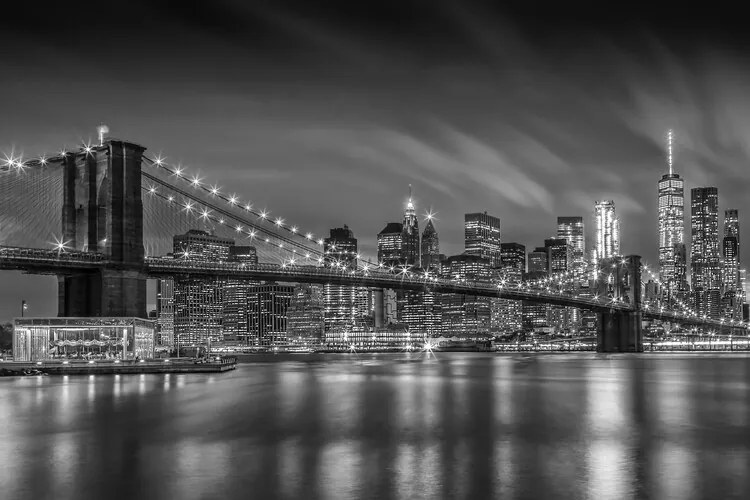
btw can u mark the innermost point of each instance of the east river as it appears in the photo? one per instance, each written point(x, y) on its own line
point(458, 425)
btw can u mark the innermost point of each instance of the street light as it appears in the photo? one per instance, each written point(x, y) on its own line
point(24, 306)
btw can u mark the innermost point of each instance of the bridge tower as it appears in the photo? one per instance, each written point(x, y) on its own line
point(619, 278)
point(103, 212)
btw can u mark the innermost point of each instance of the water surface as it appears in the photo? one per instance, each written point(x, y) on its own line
point(461, 425)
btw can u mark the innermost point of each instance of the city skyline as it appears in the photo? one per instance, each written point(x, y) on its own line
point(507, 128)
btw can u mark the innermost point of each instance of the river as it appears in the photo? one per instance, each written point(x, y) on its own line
point(452, 425)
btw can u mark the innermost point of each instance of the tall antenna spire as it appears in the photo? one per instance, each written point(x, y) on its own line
point(410, 204)
point(669, 150)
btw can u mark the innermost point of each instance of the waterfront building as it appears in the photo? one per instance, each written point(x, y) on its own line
point(607, 230)
point(704, 251)
point(340, 251)
point(40, 339)
point(267, 310)
point(305, 315)
point(482, 237)
point(671, 203)
point(165, 311)
point(235, 323)
point(571, 229)
point(535, 314)
point(199, 301)
point(466, 314)
point(733, 295)
point(507, 315)
point(560, 259)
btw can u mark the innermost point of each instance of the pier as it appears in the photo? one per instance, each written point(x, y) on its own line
point(111, 367)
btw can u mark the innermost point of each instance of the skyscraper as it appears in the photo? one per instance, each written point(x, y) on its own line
point(704, 250)
point(572, 230)
point(165, 310)
point(430, 247)
point(267, 312)
point(235, 324)
point(534, 313)
point(305, 315)
point(731, 249)
point(390, 244)
point(482, 237)
point(732, 291)
point(671, 207)
point(507, 314)
point(466, 314)
point(199, 302)
point(410, 248)
point(607, 230)
point(340, 250)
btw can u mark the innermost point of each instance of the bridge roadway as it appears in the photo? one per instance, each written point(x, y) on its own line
point(41, 261)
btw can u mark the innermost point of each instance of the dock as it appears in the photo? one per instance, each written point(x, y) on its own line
point(113, 367)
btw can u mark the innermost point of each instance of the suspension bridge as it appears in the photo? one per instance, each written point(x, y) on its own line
point(110, 211)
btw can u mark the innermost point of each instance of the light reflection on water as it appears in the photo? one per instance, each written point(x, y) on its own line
point(387, 426)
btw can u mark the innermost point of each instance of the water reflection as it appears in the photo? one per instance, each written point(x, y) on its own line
point(391, 426)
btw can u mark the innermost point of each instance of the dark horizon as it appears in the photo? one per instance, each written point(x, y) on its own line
point(324, 114)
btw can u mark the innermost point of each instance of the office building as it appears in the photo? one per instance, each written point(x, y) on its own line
point(482, 237)
point(199, 301)
point(165, 311)
point(507, 315)
point(607, 242)
point(305, 316)
point(671, 206)
point(340, 251)
point(235, 324)
point(704, 251)
point(267, 312)
point(466, 315)
point(430, 247)
point(571, 229)
point(410, 248)
point(390, 244)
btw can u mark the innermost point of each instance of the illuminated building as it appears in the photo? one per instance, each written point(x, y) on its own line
point(482, 237)
point(572, 230)
point(395, 337)
point(430, 247)
point(704, 250)
point(267, 313)
point(39, 339)
point(236, 325)
point(560, 259)
point(421, 311)
point(165, 311)
point(390, 244)
point(340, 250)
point(305, 316)
point(731, 250)
point(607, 230)
point(506, 315)
point(733, 295)
point(466, 314)
point(535, 314)
point(410, 248)
point(199, 301)
point(671, 208)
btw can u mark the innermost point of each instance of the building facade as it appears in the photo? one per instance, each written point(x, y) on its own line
point(704, 251)
point(199, 301)
point(482, 237)
point(571, 229)
point(607, 243)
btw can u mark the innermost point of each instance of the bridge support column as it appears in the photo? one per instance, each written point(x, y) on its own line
point(379, 308)
point(620, 331)
point(103, 212)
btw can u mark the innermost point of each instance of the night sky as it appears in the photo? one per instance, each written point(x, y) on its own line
point(324, 112)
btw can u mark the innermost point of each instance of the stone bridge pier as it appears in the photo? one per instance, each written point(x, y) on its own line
point(619, 278)
point(103, 212)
